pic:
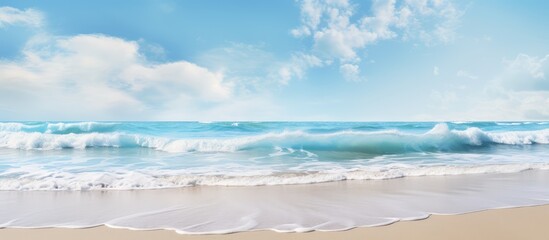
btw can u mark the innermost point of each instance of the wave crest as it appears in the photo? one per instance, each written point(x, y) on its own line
point(58, 128)
point(440, 138)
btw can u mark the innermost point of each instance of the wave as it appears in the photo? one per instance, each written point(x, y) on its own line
point(58, 128)
point(14, 126)
point(125, 180)
point(511, 123)
point(81, 127)
point(438, 139)
point(462, 122)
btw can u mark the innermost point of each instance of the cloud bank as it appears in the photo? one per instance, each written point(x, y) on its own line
point(522, 90)
point(102, 77)
point(519, 91)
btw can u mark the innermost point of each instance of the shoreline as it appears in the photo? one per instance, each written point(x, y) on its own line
point(289, 208)
point(528, 222)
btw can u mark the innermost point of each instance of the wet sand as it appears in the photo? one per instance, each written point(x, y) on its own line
point(512, 223)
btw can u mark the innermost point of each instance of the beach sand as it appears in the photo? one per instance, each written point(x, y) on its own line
point(512, 223)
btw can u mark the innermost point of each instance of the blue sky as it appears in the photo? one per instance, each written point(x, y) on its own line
point(318, 60)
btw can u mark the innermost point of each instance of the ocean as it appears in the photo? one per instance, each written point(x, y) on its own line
point(135, 155)
point(219, 177)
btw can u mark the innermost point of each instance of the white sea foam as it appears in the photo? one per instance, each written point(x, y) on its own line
point(510, 123)
point(12, 126)
point(47, 141)
point(30, 178)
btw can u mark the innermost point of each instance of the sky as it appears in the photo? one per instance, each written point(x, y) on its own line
point(311, 60)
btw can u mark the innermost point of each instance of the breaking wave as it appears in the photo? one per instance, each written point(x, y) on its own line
point(439, 139)
point(58, 128)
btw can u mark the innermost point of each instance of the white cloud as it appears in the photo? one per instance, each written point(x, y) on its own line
point(14, 16)
point(523, 87)
point(253, 68)
point(245, 65)
point(338, 34)
point(102, 77)
point(310, 17)
point(512, 105)
point(466, 74)
point(350, 72)
point(520, 92)
point(435, 71)
point(527, 73)
point(296, 67)
point(431, 21)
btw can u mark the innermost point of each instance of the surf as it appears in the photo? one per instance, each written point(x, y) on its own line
point(438, 139)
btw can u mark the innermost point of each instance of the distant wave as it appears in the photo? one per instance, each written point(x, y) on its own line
point(511, 123)
point(120, 180)
point(58, 128)
point(81, 127)
point(439, 138)
point(461, 122)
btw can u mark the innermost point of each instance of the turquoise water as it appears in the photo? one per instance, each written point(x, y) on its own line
point(129, 155)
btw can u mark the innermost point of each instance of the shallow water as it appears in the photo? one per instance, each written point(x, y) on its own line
point(285, 208)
